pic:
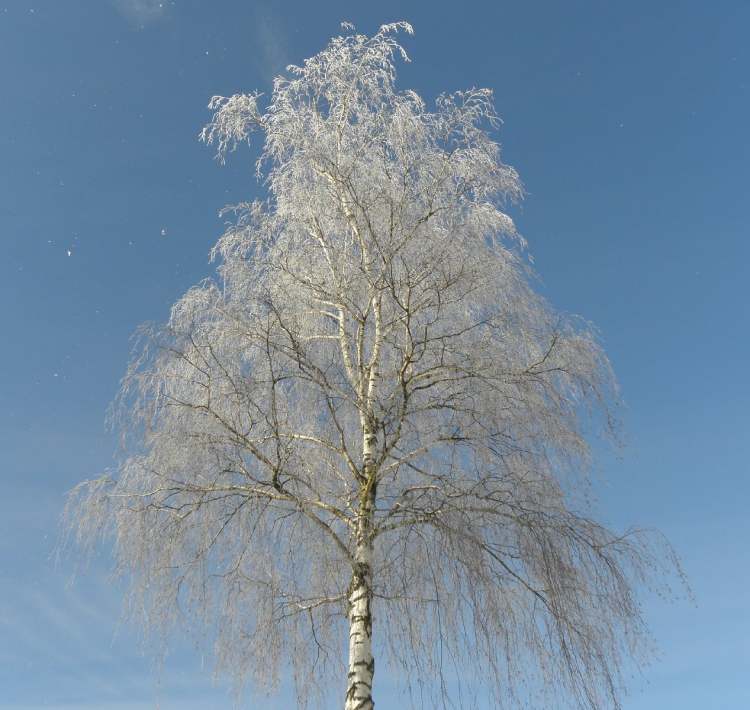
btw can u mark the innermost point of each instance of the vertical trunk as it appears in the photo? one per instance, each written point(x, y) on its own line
point(361, 661)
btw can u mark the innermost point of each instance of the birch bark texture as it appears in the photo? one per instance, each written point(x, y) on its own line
point(371, 422)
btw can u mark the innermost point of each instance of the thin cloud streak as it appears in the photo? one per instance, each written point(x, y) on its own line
point(141, 12)
point(270, 43)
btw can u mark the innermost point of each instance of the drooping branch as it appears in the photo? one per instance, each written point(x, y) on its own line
point(371, 416)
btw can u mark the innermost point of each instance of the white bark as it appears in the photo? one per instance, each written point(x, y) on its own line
point(361, 661)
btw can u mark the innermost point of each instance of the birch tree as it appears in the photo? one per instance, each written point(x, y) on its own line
point(369, 435)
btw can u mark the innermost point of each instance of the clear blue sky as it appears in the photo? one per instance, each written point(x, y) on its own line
point(628, 122)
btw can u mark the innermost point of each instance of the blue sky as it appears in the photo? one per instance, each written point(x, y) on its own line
point(628, 124)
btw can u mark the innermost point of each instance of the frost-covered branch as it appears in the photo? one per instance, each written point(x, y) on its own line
point(369, 429)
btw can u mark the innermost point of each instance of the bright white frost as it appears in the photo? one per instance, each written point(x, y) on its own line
point(379, 288)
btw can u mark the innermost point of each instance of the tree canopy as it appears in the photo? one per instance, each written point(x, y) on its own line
point(370, 425)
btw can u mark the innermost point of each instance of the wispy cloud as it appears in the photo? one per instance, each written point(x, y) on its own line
point(142, 12)
point(60, 647)
point(270, 50)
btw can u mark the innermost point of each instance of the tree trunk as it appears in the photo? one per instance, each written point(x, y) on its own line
point(361, 661)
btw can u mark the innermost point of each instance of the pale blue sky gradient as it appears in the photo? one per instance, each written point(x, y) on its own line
point(628, 123)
